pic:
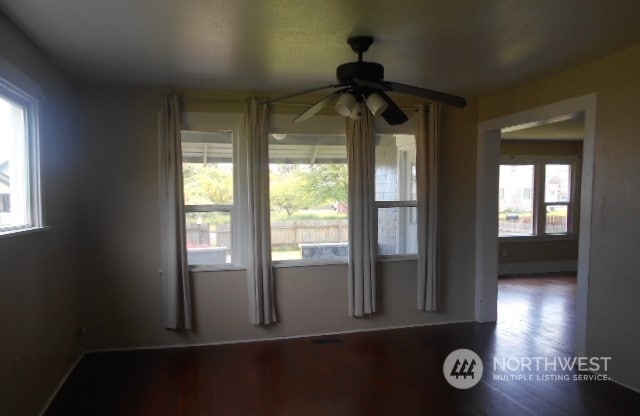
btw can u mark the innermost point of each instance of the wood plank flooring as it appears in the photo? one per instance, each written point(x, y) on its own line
point(396, 372)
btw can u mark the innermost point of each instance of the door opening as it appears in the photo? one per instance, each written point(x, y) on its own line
point(487, 205)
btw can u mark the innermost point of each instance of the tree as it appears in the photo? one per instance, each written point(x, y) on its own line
point(295, 187)
point(327, 183)
point(289, 192)
point(207, 184)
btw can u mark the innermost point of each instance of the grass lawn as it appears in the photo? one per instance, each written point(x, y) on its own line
point(286, 255)
point(308, 214)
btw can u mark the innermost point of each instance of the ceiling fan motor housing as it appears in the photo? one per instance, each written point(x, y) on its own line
point(369, 71)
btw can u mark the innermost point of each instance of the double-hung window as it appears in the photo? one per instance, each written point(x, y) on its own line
point(308, 180)
point(19, 161)
point(396, 194)
point(537, 196)
point(213, 178)
point(308, 196)
point(308, 190)
point(207, 170)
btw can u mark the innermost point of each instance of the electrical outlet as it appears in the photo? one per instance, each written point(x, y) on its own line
point(505, 252)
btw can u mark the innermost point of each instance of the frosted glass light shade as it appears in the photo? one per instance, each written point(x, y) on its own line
point(377, 104)
point(346, 104)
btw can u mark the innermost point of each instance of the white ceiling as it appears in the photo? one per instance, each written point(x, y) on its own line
point(464, 47)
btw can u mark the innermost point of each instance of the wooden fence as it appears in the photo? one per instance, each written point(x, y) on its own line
point(283, 233)
point(522, 225)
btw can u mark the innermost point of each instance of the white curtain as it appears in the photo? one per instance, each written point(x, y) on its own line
point(175, 271)
point(260, 276)
point(362, 225)
point(427, 137)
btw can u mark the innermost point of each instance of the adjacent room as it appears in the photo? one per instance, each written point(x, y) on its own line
point(319, 208)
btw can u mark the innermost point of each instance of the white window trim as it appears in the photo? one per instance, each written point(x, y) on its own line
point(279, 124)
point(233, 122)
point(329, 125)
point(539, 205)
point(335, 125)
point(18, 88)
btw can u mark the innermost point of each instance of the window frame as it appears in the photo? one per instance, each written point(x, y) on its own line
point(280, 123)
point(401, 167)
point(231, 122)
point(331, 125)
point(27, 98)
point(539, 205)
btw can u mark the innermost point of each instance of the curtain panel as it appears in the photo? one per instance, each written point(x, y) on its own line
point(427, 139)
point(259, 272)
point(175, 269)
point(362, 225)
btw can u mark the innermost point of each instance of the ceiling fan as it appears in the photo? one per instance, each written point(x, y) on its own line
point(362, 85)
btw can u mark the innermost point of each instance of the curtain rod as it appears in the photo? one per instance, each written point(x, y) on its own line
point(219, 101)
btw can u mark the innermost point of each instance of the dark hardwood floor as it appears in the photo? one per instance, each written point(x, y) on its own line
point(395, 372)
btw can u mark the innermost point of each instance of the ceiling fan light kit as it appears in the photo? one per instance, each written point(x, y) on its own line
point(377, 105)
point(346, 104)
point(362, 85)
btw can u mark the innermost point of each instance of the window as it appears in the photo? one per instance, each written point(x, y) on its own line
point(308, 196)
point(549, 209)
point(557, 198)
point(396, 194)
point(516, 205)
point(19, 162)
point(308, 176)
point(207, 165)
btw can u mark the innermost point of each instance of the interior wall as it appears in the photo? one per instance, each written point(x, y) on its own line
point(122, 289)
point(614, 288)
point(518, 256)
point(38, 274)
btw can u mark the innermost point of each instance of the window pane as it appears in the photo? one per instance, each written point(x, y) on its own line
point(207, 166)
point(557, 183)
point(397, 230)
point(208, 238)
point(395, 167)
point(515, 200)
point(556, 219)
point(308, 187)
point(15, 204)
point(207, 170)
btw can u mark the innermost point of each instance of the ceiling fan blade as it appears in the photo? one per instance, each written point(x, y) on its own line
point(326, 101)
point(393, 114)
point(430, 94)
point(303, 92)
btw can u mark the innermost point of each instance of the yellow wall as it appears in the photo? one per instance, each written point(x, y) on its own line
point(614, 286)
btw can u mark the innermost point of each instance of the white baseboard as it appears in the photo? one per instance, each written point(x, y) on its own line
point(276, 338)
point(537, 267)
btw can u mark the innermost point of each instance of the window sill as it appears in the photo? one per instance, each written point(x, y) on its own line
point(280, 264)
point(284, 264)
point(22, 231)
point(538, 238)
point(215, 268)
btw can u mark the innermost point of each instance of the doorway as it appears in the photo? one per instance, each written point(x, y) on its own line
point(486, 265)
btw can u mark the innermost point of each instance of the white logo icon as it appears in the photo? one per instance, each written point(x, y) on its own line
point(463, 368)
